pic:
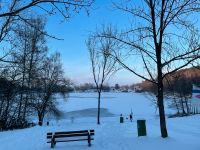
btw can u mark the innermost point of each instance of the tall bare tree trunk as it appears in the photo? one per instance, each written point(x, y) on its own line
point(163, 127)
point(187, 107)
point(40, 118)
point(98, 111)
point(182, 105)
point(161, 108)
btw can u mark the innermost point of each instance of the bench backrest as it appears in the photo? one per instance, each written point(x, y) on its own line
point(70, 134)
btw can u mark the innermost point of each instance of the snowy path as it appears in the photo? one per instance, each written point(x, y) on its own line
point(110, 135)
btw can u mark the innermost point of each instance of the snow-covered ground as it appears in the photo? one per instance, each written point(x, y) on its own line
point(110, 135)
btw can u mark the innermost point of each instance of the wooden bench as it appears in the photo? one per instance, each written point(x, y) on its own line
point(70, 136)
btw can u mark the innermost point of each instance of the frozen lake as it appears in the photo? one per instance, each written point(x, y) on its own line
point(112, 105)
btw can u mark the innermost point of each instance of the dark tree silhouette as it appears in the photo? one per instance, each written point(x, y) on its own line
point(103, 66)
point(162, 39)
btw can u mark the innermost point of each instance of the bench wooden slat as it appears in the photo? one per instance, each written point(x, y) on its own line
point(71, 140)
point(49, 136)
point(70, 135)
point(91, 134)
point(71, 132)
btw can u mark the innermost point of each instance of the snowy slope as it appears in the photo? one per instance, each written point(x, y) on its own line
point(110, 135)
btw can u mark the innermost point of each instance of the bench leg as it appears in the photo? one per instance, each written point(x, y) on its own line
point(89, 140)
point(53, 143)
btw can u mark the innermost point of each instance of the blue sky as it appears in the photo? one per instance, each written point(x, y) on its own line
point(75, 56)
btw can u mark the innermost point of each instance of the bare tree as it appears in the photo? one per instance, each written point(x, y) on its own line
point(30, 85)
point(9, 92)
point(14, 11)
point(29, 50)
point(103, 66)
point(49, 78)
point(64, 7)
point(162, 38)
point(178, 90)
point(179, 86)
point(16, 20)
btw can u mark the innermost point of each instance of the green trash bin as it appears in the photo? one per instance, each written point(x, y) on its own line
point(121, 119)
point(141, 126)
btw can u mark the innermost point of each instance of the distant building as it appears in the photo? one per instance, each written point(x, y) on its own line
point(138, 88)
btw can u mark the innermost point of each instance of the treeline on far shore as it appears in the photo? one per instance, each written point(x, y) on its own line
point(177, 90)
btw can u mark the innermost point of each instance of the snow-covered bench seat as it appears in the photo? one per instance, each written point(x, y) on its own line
point(70, 136)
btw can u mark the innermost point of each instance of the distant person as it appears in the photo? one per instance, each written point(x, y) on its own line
point(131, 117)
point(121, 119)
point(47, 123)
